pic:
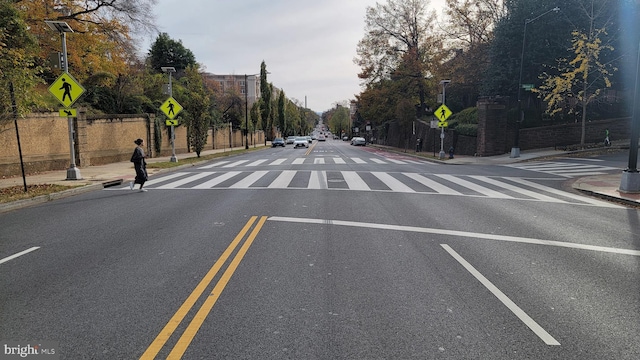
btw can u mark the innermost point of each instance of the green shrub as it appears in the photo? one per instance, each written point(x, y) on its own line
point(467, 129)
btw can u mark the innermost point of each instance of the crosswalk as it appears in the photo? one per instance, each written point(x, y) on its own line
point(564, 169)
point(318, 160)
point(494, 187)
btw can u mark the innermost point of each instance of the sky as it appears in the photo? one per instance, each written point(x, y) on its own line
point(308, 46)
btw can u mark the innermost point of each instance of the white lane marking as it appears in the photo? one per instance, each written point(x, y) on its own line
point(339, 161)
point(215, 181)
point(164, 178)
point(24, 252)
point(400, 162)
point(249, 180)
point(518, 190)
point(318, 160)
point(358, 161)
point(439, 188)
point(283, 180)
point(392, 183)
point(354, 181)
point(278, 162)
point(237, 163)
point(565, 194)
point(188, 179)
point(514, 239)
point(298, 161)
point(213, 165)
point(377, 161)
point(317, 180)
point(257, 162)
point(481, 189)
point(515, 309)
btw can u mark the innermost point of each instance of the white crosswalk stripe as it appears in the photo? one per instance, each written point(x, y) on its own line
point(564, 169)
point(318, 160)
point(494, 187)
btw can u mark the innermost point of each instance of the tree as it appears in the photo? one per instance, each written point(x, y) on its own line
point(265, 104)
point(196, 108)
point(168, 52)
point(399, 41)
point(282, 124)
point(581, 79)
point(17, 62)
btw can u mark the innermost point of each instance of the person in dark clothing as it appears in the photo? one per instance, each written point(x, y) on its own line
point(139, 164)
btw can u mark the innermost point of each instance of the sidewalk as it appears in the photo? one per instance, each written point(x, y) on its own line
point(97, 177)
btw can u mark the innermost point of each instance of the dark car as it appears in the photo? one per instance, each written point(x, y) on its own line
point(277, 142)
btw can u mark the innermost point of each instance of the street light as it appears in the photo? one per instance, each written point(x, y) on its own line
point(515, 151)
point(444, 86)
point(170, 70)
point(73, 173)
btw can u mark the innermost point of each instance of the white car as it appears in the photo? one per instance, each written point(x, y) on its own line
point(358, 141)
point(300, 141)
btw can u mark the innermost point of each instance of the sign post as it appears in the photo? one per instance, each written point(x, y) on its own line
point(442, 113)
point(171, 108)
point(67, 90)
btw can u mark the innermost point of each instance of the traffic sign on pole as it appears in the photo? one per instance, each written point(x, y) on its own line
point(442, 113)
point(171, 108)
point(66, 89)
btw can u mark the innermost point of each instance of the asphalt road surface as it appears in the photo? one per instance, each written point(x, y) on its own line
point(331, 252)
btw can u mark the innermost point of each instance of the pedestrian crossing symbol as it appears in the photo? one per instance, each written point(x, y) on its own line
point(442, 113)
point(66, 89)
point(171, 108)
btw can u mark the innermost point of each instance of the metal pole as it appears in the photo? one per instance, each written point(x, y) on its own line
point(73, 173)
point(630, 181)
point(14, 108)
point(246, 113)
point(173, 134)
point(441, 155)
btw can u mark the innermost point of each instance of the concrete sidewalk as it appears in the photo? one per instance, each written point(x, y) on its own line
point(97, 177)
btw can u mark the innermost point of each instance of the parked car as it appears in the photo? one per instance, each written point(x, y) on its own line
point(290, 139)
point(277, 142)
point(345, 138)
point(309, 139)
point(358, 141)
point(300, 141)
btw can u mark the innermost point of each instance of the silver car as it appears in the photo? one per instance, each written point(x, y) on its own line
point(300, 141)
point(358, 141)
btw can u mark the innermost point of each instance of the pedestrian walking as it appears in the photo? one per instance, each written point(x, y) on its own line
point(140, 165)
point(607, 142)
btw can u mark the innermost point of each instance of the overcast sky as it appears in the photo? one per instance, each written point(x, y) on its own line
point(307, 45)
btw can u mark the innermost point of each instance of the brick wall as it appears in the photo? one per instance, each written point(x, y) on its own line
point(99, 139)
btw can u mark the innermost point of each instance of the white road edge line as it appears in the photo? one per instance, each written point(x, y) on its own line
point(8, 258)
point(515, 309)
point(467, 234)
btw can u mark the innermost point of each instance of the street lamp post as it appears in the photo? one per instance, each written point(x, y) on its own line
point(515, 150)
point(73, 173)
point(444, 86)
point(170, 70)
point(630, 181)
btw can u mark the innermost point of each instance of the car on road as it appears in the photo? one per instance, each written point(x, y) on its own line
point(309, 139)
point(290, 139)
point(321, 138)
point(277, 142)
point(345, 138)
point(358, 141)
point(300, 141)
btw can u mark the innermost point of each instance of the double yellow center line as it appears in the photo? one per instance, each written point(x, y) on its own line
point(193, 327)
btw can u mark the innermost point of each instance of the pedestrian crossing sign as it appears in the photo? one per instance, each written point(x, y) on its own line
point(171, 108)
point(442, 113)
point(66, 89)
point(171, 122)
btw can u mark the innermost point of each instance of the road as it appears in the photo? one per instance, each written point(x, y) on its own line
point(335, 252)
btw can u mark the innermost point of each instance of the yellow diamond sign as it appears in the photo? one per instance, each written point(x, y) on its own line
point(171, 108)
point(442, 113)
point(66, 89)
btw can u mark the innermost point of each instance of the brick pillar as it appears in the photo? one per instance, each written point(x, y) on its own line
point(493, 129)
point(83, 156)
